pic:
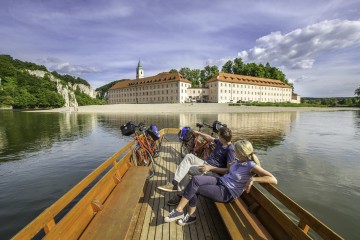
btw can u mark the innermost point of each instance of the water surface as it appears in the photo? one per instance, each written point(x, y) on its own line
point(314, 155)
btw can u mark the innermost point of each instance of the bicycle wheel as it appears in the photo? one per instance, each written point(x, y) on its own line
point(142, 157)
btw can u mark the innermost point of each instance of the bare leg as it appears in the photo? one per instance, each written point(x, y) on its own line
point(182, 204)
point(191, 211)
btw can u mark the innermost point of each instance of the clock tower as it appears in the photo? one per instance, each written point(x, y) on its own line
point(139, 71)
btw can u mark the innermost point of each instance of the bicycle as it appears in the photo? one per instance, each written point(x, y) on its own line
point(196, 145)
point(146, 145)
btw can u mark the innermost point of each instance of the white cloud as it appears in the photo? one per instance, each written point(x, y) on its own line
point(67, 68)
point(56, 64)
point(300, 48)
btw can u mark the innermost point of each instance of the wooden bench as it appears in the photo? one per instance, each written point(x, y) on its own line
point(240, 222)
point(113, 221)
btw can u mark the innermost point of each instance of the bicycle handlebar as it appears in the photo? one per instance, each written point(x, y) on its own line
point(141, 125)
point(208, 125)
point(200, 125)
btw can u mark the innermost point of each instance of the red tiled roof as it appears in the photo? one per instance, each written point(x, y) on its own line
point(164, 77)
point(234, 78)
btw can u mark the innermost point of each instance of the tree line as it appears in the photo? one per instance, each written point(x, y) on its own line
point(20, 89)
point(333, 102)
point(199, 77)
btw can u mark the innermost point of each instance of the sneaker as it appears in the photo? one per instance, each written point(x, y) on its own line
point(174, 201)
point(174, 215)
point(169, 187)
point(186, 220)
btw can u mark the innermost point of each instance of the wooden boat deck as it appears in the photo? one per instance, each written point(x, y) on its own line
point(147, 222)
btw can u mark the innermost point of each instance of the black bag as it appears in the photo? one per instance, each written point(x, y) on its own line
point(127, 129)
point(153, 132)
point(217, 125)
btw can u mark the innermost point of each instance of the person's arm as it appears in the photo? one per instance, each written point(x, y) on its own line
point(205, 168)
point(207, 137)
point(230, 158)
point(263, 176)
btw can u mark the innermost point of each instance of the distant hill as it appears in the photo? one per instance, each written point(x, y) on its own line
point(28, 85)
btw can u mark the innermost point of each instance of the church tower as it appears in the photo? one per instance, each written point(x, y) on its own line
point(139, 71)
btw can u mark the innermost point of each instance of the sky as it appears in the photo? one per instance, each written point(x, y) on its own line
point(315, 43)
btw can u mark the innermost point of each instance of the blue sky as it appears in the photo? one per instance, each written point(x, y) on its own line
point(315, 43)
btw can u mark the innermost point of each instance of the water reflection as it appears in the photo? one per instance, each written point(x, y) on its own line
point(31, 132)
point(357, 121)
point(263, 129)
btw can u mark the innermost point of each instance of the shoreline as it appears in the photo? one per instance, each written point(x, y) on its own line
point(189, 108)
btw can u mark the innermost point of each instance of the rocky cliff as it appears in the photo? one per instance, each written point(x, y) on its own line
point(68, 90)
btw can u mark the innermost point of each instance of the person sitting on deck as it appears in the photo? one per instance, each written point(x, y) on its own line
point(226, 188)
point(215, 164)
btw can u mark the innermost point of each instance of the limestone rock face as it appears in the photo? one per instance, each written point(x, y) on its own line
point(67, 91)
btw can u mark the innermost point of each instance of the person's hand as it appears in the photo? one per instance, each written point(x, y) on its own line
point(249, 184)
point(204, 168)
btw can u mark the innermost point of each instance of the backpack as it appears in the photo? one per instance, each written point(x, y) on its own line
point(185, 134)
point(153, 132)
point(127, 129)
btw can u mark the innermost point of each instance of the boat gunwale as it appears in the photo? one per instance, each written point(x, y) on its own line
point(48, 215)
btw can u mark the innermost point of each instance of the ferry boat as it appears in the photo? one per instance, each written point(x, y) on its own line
point(116, 201)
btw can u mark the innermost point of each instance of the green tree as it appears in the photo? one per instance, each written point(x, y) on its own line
point(345, 102)
point(357, 92)
point(228, 67)
point(173, 71)
point(194, 76)
point(84, 99)
point(207, 73)
point(23, 99)
point(267, 70)
point(185, 71)
point(238, 66)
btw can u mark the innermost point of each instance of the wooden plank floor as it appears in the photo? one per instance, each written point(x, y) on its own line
point(147, 222)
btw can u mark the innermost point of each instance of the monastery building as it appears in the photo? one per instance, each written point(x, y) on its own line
point(174, 88)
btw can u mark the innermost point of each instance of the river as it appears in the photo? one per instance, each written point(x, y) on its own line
point(314, 155)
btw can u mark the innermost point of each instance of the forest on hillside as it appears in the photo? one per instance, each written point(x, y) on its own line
point(22, 90)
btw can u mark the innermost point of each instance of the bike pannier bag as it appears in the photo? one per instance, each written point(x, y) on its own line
point(127, 129)
point(153, 132)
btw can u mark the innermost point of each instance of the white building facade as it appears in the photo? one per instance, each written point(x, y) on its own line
point(223, 88)
point(161, 88)
point(227, 87)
